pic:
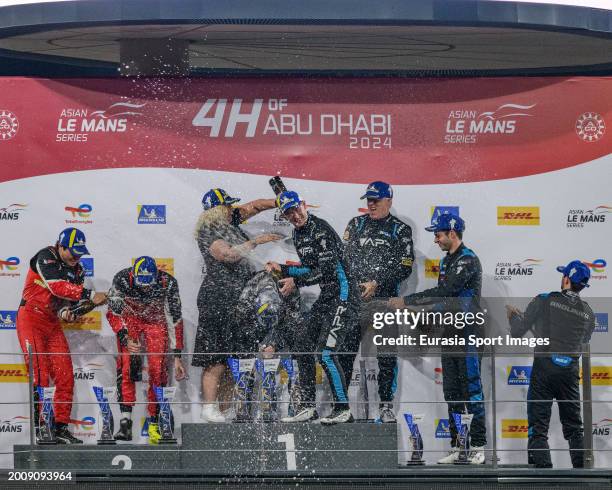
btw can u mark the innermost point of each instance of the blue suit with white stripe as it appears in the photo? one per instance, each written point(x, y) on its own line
point(332, 324)
point(459, 288)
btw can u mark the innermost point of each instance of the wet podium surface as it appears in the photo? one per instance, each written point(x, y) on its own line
point(234, 449)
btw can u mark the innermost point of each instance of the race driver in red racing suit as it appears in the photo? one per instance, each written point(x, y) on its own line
point(53, 285)
point(144, 302)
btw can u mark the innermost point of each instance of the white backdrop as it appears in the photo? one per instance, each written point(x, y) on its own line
point(114, 237)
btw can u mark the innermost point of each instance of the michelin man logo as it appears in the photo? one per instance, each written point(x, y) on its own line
point(453, 222)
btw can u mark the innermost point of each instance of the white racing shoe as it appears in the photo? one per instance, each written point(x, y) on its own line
point(338, 416)
point(451, 457)
point(386, 414)
point(211, 414)
point(304, 415)
point(476, 455)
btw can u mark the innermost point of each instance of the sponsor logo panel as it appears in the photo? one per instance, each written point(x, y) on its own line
point(12, 212)
point(468, 126)
point(88, 266)
point(9, 267)
point(600, 376)
point(442, 429)
point(436, 211)
point(578, 218)
point(88, 371)
point(602, 428)
point(518, 375)
point(80, 214)
point(598, 268)
point(14, 424)
point(506, 271)
point(8, 319)
point(590, 127)
point(151, 214)
point(78, 124)
point(514, 428)
point(9, 125)
point(432, 268)
point(84, 427)
point(601, 322)
point(13, 373)
point(89, 321)
point(518, 215)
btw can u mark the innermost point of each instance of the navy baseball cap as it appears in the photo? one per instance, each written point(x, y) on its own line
point(74, 240)
point(378, 190)
point(446, 222)
point(287, 200)
point(577, 272)
point(216, 197)
point(144, 271)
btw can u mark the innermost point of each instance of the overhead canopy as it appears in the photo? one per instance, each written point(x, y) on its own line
point(448, 37)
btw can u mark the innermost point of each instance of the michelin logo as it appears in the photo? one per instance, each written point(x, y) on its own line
point(152, 214)
point(519, 375)
point(7, 320)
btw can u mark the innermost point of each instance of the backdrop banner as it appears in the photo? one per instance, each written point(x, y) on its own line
point(526, 162)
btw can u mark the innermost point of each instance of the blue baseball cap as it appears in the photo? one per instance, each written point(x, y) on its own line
point(287, 200)
point(446, 222)
point(577, 272)
point(144, 271)
point(216, 197)
point(74, 240)
point(378, 190)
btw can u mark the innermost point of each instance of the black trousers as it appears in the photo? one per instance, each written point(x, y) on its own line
point(330, 327)
point(463, 393)
point(552, 382)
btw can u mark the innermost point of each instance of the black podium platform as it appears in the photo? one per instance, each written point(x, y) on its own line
point(234, 449)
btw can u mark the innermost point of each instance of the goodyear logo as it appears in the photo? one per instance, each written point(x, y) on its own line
point(13, 373)
point(442, 429)
point(89, 321)
point(601, 322)
point(432, 268)
point(518, 375)
point(518, 215)
point(600, 375)
point(88, 266)
point(7, 320)
point(163, 264)
point(514, 428)
point(151, 214)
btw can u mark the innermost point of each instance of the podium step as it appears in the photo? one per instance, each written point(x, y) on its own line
point(311, 446)
point(234, 449)
point(94, 457)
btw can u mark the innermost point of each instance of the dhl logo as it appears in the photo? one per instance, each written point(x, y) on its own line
point(600, 375)
point(432, 268)
point(518, 215)
point(514, 428)
point(89, 321)
point(163, 264)
point(13, 373)
point(83, 211)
